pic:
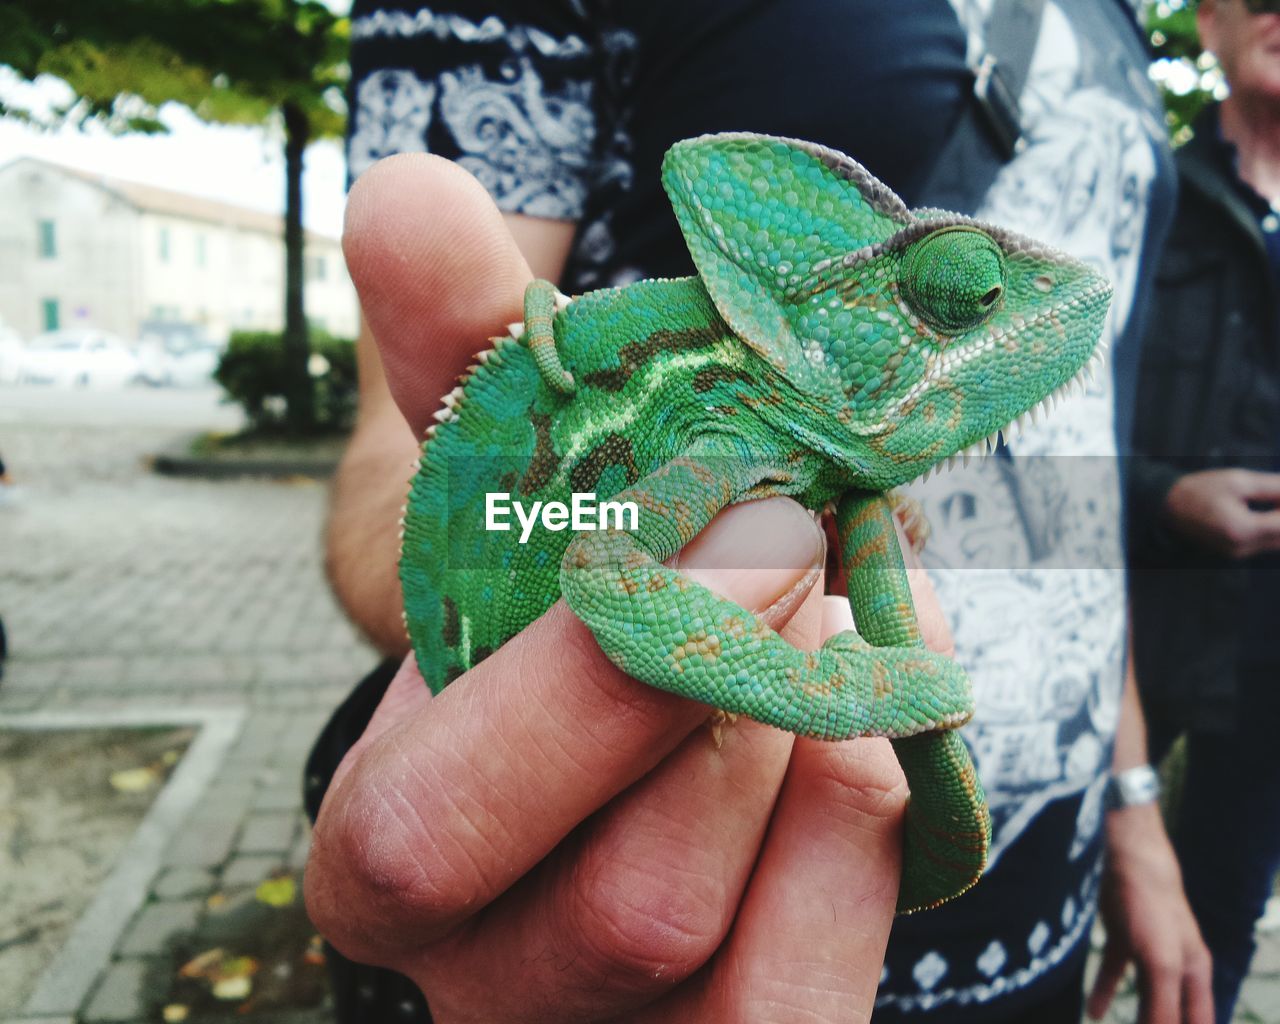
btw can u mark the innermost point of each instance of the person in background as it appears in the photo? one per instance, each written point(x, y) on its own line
point(1205, 523)
point(548, 824)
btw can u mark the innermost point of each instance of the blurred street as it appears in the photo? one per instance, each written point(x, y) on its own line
point(119, 584)
point(129, 596)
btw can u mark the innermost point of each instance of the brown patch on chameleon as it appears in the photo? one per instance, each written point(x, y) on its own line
point(545, 461)
point(698, 644)
point(881, 682)
point(706, 379)
point(613, 450)
point(637, 354)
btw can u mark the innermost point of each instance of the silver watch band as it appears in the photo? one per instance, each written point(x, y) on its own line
point(1133, 786)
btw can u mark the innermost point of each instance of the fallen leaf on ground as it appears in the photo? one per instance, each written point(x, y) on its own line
point(315, 951)
point(229, 977)
point(277, 892)
point(200, 965)
point(133, 780)
point(176, 1013)
point(233, 988)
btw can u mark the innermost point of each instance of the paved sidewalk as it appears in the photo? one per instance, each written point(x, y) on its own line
point(130, 595)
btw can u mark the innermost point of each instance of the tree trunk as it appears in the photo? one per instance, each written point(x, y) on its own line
point(297, 349)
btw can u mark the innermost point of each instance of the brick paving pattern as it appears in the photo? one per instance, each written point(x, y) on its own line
point(120, 589)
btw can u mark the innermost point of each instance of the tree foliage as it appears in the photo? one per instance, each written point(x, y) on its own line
point(254, 373)
point(1188, 77)
point(230, 61)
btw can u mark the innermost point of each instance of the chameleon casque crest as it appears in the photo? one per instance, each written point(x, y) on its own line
point(833, 345)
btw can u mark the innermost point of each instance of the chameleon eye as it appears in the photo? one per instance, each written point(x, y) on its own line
point(954, 278)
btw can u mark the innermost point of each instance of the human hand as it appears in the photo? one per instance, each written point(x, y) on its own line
point(1150, 924)
point(548, 821)
point(1213, 507)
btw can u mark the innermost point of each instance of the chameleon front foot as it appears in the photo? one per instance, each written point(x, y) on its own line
point(915, 524)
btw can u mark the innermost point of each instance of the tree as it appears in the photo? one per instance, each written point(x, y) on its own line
point(1188, 76)
point(230, 61)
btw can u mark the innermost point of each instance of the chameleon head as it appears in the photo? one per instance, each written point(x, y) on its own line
point(975, 326)
point(910, 336)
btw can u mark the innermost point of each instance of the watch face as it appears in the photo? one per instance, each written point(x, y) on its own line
point(1133, 786)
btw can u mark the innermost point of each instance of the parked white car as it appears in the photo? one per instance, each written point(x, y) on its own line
point(78, 357)
point(10, 355)
point(177, 355)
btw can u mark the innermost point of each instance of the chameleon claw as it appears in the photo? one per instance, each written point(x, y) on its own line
point(717, 722)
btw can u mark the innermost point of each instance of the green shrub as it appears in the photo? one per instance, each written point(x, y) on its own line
point(252, 372)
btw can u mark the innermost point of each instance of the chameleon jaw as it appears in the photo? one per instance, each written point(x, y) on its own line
point(1076, 384)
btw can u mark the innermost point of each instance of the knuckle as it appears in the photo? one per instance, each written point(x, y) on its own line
point(644, 934)
point(1164, 968)
point(1199, 961)
point(384, 859)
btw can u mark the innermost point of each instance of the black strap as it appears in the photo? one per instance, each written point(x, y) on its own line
point(989, 131)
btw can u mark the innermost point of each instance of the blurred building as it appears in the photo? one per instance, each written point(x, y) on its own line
point(78, 248)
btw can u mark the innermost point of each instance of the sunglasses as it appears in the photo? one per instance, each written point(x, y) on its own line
point(1262, 6)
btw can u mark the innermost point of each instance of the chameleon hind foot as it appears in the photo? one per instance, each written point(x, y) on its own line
point(718, 722)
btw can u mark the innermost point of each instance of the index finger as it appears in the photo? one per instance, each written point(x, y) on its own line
point(437, 272)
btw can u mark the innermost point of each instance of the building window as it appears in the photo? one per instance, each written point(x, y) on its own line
point(317, 268)
point(202, 256)
point(52, 319)
point(48, 240)
point(164, 245)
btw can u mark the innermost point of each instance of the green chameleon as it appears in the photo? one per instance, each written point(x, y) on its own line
point(833, 345)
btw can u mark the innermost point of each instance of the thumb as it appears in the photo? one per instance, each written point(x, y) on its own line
point(437, 272)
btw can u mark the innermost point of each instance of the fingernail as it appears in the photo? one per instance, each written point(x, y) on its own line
point(760, 554)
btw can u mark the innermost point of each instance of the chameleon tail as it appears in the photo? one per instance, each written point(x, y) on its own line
point(948, 828)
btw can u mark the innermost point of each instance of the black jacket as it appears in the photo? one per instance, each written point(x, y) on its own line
point(1208, 396)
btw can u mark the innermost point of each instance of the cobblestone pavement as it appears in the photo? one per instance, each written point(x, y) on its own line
point(124, 591)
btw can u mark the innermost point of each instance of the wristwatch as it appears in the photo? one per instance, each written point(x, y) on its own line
point(1132, 787)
